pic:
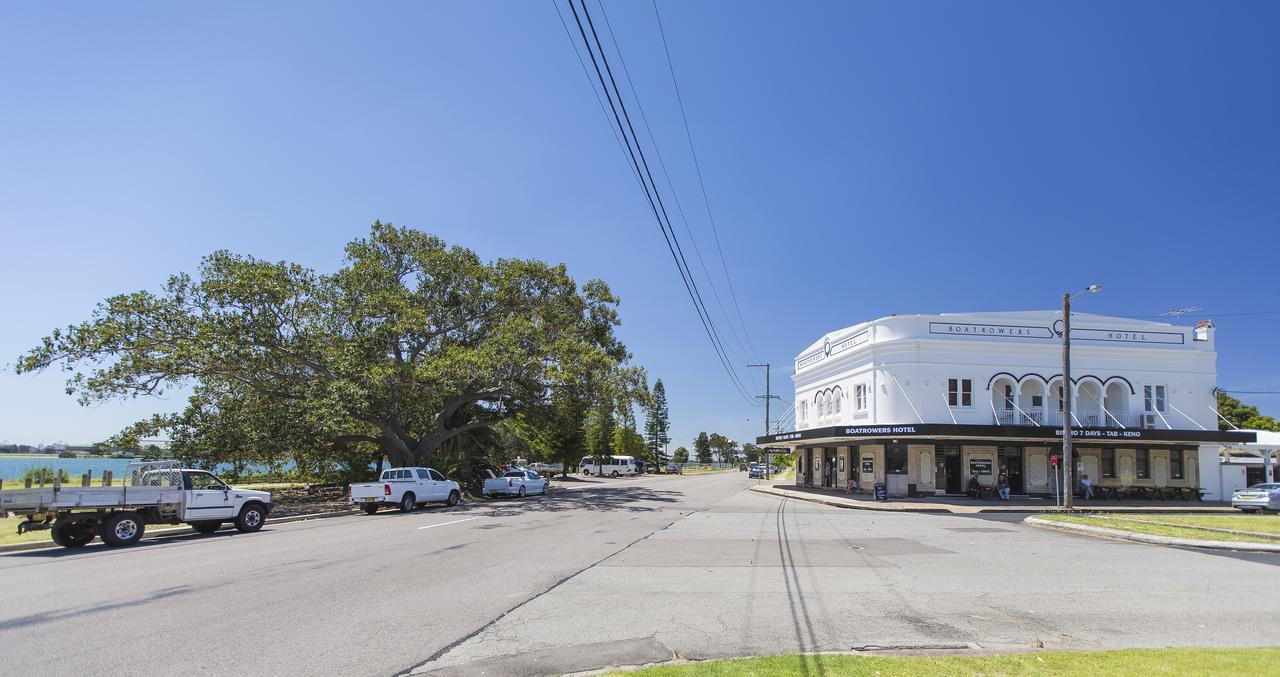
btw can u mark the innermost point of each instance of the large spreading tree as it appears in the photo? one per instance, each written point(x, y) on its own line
point(410, 344)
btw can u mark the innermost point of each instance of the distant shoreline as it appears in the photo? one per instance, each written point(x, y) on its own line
point(78, 455)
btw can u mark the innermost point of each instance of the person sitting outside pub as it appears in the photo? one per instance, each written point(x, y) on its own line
point(1087, 485)
point(974, 486)
point(1002, 486)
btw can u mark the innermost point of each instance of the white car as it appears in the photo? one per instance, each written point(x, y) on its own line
point(516, 483)
point(405, 487)
point(1265, 496)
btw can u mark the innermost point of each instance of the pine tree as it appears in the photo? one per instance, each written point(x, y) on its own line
point(599, 430)
point(702, 448)
point(657, 424)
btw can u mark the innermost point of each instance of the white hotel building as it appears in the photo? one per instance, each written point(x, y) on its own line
point(922, 402)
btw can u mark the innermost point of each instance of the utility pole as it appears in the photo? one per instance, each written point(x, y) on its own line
point(1068, 489)
point(1068, 467)
point(768, 395)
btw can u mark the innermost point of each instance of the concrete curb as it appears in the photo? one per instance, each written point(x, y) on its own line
point(169, 531)
point(841, 504)
point(1088, 530)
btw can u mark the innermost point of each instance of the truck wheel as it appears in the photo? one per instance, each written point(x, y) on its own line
point(71, 534)
point(408, 502)
point(206, 527)
point(370, 508)
point(122, 529)
point(251, 518)
point(521, 492)
point(614, 474)
point(453, 499)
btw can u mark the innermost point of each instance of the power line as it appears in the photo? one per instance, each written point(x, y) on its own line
point(644, 119)
point(1250, 392)
point(1217, 315)
point(701, 184)
point(653, 197)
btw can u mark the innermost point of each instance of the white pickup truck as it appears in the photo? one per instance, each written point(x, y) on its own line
point(516, 483)
point(405, 487)
point(150, 493)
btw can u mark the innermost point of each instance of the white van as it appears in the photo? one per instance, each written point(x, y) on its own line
point(613, 466)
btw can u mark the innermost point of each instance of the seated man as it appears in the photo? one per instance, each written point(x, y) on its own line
point(1002, 486)
point(974, 486)
point(1087, 485)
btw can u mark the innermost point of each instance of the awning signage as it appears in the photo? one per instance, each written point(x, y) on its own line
point(1010, 431)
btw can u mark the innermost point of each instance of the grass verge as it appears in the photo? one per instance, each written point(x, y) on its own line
point(1157, 529)
point(1261, 524)
point(1123, 662)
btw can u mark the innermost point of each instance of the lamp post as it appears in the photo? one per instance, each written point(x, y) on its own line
point(1068, 464)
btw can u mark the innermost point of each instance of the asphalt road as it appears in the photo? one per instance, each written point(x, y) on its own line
point(610, 572)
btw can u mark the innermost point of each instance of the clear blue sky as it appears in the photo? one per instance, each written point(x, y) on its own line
point(861, 158)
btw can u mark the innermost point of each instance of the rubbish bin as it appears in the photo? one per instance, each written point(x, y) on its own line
point(882, 491)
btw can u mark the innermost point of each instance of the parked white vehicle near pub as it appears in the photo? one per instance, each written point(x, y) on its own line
point(1265, 496)
point(149, 493)
point(612, 466)
point(407, 488)
point(517, 483)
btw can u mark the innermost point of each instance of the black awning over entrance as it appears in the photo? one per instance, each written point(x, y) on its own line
point(1022, 432)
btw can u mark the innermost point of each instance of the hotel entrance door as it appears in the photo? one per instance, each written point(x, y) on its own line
point(947, 469)
point(1011, 462)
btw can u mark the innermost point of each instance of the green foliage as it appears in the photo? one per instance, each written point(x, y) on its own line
point(681, 455)
point(1242, 415)
point(410, 344)
point(67, 454)
point(34, 474)
point(753, 453)
point(657, 424)
point(723, 448)
point(599, 430)
point(702, 448)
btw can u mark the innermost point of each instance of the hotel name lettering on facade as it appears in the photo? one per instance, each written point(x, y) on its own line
point(1077, 334)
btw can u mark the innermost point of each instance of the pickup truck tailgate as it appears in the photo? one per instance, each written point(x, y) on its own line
point(368, 492)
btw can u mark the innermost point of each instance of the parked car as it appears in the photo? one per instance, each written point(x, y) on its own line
point(543, 469)
point(152, 493)
point(756, 472)
point(517, 483)
point(404, 487)
point(1265, 496)
point(673, 469)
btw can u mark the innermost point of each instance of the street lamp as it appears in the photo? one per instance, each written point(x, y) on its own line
point(1068, 493)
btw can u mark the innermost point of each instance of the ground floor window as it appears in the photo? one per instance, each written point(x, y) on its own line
point(895, 459)
point(1175, 464)
point(1107, 463)
point(1142, 463)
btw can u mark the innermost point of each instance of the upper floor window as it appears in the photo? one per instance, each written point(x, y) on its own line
point(960, 392)
point(804, 411)
point(1153, 398)
point(1008, 397)
point(836, 396)
point(860, 397)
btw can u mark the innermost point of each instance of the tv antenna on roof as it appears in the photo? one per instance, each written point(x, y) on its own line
point(1179, 312)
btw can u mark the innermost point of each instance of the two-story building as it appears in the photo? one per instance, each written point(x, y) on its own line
point(924, 402)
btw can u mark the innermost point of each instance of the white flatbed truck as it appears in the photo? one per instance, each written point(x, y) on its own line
point(151, 493)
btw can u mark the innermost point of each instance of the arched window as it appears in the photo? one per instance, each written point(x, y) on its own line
point(804, 411)
point(818, 409)
point(836, 397)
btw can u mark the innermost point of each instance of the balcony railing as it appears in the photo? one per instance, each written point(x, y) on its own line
point(1086, 419)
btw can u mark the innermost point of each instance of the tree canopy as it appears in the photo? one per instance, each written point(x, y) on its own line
point(411, 343)
point(1242, 415)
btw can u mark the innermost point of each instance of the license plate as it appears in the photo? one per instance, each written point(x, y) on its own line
point(369, 499)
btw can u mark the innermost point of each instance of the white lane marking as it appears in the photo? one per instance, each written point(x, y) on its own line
point(430, 526)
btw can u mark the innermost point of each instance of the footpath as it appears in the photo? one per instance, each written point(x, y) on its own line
point(966, 505)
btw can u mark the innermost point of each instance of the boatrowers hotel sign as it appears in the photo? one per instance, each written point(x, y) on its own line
point(1033, 332)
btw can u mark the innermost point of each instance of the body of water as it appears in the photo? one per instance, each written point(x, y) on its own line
point(14, 467)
